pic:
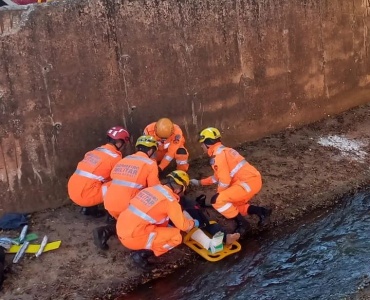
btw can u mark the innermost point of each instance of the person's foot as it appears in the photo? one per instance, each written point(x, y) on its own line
point(232, 237)
point(101, 237)
point(264, 217)
point(140, 259)
point(93, 211)
point(242, 225)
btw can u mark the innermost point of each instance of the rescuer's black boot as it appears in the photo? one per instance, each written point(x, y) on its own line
point(242, 225)
point(102, 235)
point(262, 213)
point(140, 258)
point(93, 211)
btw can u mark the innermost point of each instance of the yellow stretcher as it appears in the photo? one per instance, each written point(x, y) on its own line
point(228, 250)
point(33, 248)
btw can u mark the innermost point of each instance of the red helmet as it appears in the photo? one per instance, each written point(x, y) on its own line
point(118, 133)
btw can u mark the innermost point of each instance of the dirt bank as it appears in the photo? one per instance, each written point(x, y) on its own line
point(303, 170)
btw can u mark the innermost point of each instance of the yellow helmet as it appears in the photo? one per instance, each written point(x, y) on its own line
point(180, 177)
point(147, 141)
point(164, 128)
point(209, 133)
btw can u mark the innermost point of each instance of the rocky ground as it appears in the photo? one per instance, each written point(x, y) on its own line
point(303, 170)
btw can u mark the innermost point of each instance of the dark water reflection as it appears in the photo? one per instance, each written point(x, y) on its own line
point(326, 257)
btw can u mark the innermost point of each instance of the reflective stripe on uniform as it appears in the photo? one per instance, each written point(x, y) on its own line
point(223, 185)
point(219, 150)
point(182, 162)
point(141, 214)
point(163, 220)
point(143, 159)
point(166, 145)
point(150, 241)
point(89, 175)
point(127, 184)
point(107, 151)
point(224, 208)
point(237, 168)
point(104, 190)
point(167, 157)
point(214, 180)
point(168, 247)
point(246, 186)
point(164, 192)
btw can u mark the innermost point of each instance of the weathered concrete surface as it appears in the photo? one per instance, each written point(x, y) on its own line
point(69, 70)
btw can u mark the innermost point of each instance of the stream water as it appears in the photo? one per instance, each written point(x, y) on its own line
point(325, 257)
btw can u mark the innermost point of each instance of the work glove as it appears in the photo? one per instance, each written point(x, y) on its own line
point(201, 200)
point(195, 182)
point(199, 223)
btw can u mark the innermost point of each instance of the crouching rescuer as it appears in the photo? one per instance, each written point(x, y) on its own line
point(142, 227)
point(171, 144)
point(238, 181)
point(130, 175)
point(90, 181)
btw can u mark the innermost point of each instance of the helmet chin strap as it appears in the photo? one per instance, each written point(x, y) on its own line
point(170, 184)
point(119, 148)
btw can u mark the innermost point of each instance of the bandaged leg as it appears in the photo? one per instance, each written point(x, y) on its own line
point(213, 244)
point(200, 237)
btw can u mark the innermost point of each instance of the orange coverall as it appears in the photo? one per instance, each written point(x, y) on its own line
point(130, 175)
point(238, 181)
point(89, 182)
point(173, 147)
point(143, 224)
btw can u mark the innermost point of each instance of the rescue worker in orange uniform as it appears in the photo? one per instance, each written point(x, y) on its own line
point(171, 144)
point(130, 175)
point(237, 180)
point(143, 225)
point(91, 179)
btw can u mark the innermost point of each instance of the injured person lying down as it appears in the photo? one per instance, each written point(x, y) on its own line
point(216, 237)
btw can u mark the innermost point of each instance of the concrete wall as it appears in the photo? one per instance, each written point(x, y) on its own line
point(69, 70)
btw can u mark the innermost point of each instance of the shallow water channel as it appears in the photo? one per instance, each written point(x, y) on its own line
point(325, 257)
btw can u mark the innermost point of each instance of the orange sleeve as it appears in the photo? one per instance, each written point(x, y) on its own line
point(153, 179)
point(166, 161)
point(176, 140)
point(209, 180)
point(222, 172)
point(177, 217)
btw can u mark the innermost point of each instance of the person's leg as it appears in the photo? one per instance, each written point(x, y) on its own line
point(92, 200)
point(164, 239)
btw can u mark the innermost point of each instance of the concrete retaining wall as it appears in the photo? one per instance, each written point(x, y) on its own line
point(69, 70)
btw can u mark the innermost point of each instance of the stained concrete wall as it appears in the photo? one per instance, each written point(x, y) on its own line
point(69, 70)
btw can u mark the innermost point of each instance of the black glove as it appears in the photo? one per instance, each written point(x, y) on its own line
point(214, 198)
point(201, 200)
